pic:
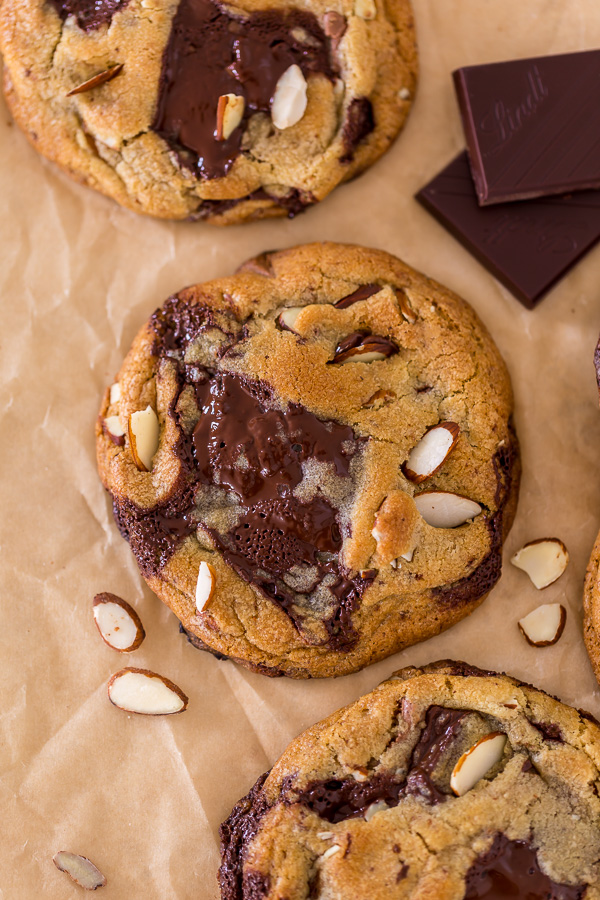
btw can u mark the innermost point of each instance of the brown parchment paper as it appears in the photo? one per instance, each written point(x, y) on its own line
point(144, 797)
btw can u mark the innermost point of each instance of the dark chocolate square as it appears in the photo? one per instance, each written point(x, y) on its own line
point(529, 245)
point(532, 125)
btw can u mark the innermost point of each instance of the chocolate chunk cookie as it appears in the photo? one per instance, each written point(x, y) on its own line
point(445, 782)
point(313, 460)
point(199, 109)
point(591, 591)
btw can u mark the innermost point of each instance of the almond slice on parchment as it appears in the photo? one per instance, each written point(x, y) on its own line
point(146, 693)
point(543, 626)
point(544, 560)
point(80, 869)
point(118, 623)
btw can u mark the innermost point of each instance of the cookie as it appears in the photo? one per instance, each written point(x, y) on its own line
point(198, 109)
point(445, 782)
point(591, 590)
point(279, 410)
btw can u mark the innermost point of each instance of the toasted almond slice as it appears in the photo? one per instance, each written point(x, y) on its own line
point(544, 560)
point(289, 99)
point(406, 309)
point(478, 760)
point(80, 869)
point(146, 693)
point(365, 9)
point(114, 428)
point(144, 432)
point(544, 626)
point(287, 317)
point(331, 851)
point(374, 808)
point(205, 585)
point(98, 80)
point(442, 509)
point(396, 527)
point(118, 623)
point(115, 393)
point(230, 112)
point(431, 452)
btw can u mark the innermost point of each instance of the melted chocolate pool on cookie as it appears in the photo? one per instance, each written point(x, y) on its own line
point(511, 869)
point(211, 53)
point(244, 457)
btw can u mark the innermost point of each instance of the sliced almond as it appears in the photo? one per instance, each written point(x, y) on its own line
point(544, 626)
point(115, 429)
point(118, 623)
point(544, 560)
point(478, 760)
point(289, 99)
point(442, 509)
point(406, 309)
point(431, 452)
point(365, 9)
point(287, 317)
point(115, 393)
point(374, 808)
point(361, 347)
point(230, 112)
point(98, 80)
point(146, 693)
point(331, 851)
point(205, 585)
point(144, 432)
point(80, 869)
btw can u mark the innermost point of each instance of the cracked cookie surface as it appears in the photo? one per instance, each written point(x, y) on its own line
point(361, 804)
point(168, 106)
point(286, 401)
point(591, 591)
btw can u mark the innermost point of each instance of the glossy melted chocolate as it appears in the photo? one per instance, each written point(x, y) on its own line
point(90, 14)
point(510, 869)
point(212, 52)
point(252, 452)
point(256, 451)
point(336, 800)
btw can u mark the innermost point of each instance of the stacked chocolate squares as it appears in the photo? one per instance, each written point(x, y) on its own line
point(524, 198)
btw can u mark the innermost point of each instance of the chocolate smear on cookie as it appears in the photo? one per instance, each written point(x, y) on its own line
point(336, 800)
point(511, 869)
point(211, 53)
point(90, 14)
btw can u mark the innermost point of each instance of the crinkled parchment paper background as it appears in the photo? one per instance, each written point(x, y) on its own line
point(144, 797)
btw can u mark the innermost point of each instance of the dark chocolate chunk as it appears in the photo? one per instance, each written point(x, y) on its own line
point(360, 122)
point(210, 53)
point(336, 800)
point(362, 293)
point(528, 246)
point(236, 833)
point(90, 14)
point(359, 343)
point(295, 202)
point(511, 869)
point(550, 731)
point(532, 125)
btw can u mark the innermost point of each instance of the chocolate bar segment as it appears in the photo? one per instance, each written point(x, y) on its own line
point(527, 246)
point(532, 125)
